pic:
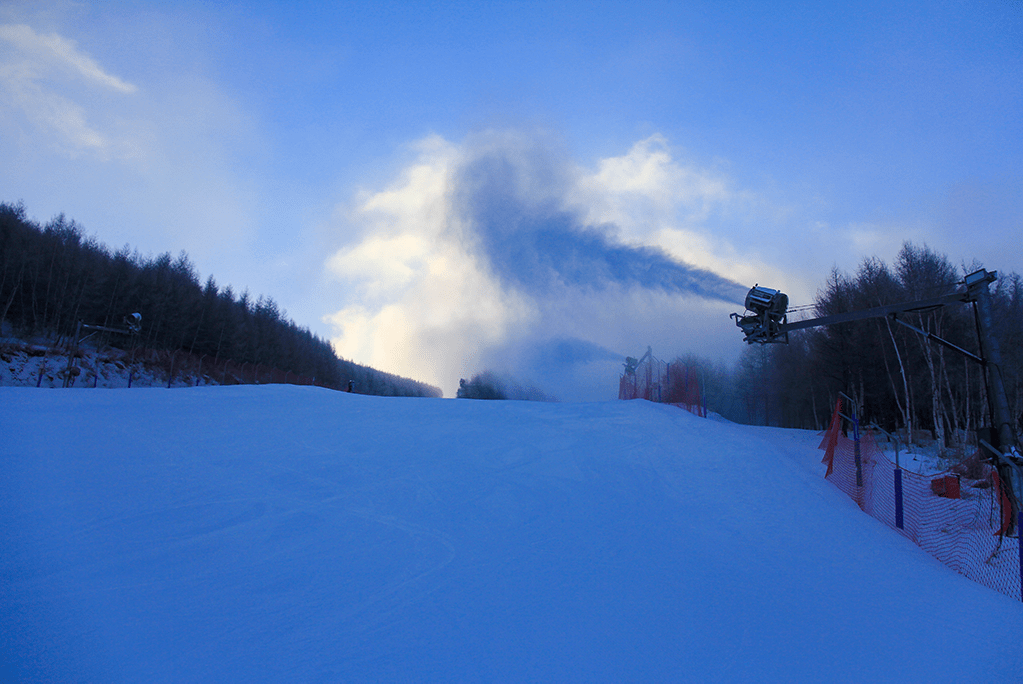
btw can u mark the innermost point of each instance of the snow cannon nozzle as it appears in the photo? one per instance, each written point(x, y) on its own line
point(765, 315)
point(134, 323)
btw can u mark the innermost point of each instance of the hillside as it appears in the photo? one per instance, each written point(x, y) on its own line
point(282, 533)
point(24, 364)
point(54, 277)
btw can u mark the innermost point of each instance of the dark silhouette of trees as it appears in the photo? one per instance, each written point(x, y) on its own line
point(901, 380)
point(54, 276)
point(490, 385)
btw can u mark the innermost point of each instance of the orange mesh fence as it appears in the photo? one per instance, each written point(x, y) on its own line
point(831, 439)
point(957, 519)
point(666, 383)
point(647, 382)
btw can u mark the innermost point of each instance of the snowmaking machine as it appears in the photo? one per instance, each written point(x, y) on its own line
point(765, 316)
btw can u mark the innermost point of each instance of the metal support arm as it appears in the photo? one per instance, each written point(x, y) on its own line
point(765, 321)
point(943, 342)
point(877, 312)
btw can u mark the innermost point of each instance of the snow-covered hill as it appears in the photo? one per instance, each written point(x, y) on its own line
point(24, 364)
point(281, 533)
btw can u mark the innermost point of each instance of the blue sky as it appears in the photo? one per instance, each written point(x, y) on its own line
point(324, 154)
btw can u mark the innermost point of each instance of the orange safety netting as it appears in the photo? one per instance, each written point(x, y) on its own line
point(958, 516)
point(666, 383)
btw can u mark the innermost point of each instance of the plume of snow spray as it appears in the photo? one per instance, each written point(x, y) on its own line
point(535, 245)
point(493, 254)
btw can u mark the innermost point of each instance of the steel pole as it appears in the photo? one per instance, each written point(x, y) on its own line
point(1000, 414)
point(997, 400)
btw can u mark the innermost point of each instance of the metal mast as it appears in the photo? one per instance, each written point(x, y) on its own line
point(765, 321)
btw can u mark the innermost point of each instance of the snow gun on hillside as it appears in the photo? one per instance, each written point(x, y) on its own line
point(632, 363)
point(766, 320)
point(766, 314)
point(132, 326)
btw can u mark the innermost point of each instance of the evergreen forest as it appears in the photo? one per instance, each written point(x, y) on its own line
point(53, 276)
point(900, 379)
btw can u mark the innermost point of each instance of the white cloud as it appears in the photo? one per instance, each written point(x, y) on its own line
point(165, 163)
point(44, 52)
point(425, 307)
point(695, 214)
point(39, 71)
point(424, 301)
point(646, 187)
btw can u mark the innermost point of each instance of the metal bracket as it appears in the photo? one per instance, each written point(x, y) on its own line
point(932, 336)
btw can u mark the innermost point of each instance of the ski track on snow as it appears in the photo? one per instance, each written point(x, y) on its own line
point(283, 533)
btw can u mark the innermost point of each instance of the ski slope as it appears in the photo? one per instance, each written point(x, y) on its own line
point(279, 533)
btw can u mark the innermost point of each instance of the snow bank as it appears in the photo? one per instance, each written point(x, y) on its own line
point(42, 365)
point(282, 533)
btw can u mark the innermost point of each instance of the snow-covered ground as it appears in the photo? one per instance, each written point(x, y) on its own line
point(41, 364)
point(281, 533)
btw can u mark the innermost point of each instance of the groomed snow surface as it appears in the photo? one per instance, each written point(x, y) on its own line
point(278, 533)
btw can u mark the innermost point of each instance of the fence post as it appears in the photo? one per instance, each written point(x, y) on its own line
point(898, 498)
point(855, 420)
point(856, 450)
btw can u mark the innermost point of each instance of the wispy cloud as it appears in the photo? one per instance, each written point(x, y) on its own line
point(52, 50)
point(479, 255)
point(164, 161)
point(30, 66)
point(648, 184)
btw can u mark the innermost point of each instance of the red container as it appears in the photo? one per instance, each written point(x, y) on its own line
point(947, 486)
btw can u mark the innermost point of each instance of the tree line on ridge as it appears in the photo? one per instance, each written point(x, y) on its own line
point(53, 276)
point(901, 380)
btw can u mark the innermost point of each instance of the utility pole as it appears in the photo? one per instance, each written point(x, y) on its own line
point(1001, 419)
point(1006, 449)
